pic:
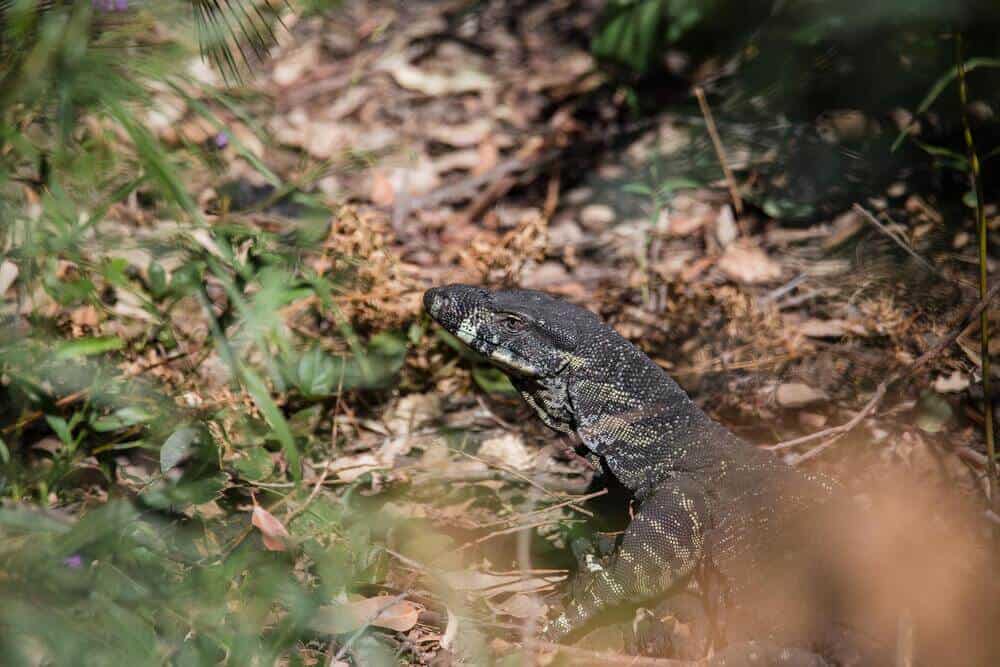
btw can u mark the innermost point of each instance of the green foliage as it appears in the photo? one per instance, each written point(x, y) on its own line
point(634, 32)
point(124, 586)
point(175, 574)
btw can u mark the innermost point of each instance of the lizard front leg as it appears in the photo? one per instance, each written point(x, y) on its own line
point(661, 547)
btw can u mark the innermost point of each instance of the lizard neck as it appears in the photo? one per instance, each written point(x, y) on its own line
point(642, 423)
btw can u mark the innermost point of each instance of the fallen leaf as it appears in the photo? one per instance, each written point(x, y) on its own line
point(748, 264)
point(272, 531)
point(833, 328)
point(411, 412)
point(797, 395)
point(508, 449)
point(435, 84)
point(382, 194)
point(292, 66)
point(725, 227)
point(955, 382)
point(520, 605)
point(349, 468)
point(597, 216)
point(383, 611)
point(462, 135)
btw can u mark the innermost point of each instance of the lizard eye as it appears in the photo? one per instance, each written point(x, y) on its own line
point(513, 324)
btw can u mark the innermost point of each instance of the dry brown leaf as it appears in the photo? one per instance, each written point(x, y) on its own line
point(833, 328)
point(748, 264)
point(435, 84)
point(508, 449)
point(957, 381)
point(489, 156)
point(382, 194)
point(383, 611)
point(520, 605)
point(462, 135)
point(349, 468)
point(271, 529)
point(798, 395)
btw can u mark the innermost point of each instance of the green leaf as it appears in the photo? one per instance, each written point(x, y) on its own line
point(157, 279)
point(493, 381)
point(186, 492)
point(933, 412)
point(85, 347)
point(60, 428)
point(4, 452)
point(316, 374)
point(178, 447)
point(254, 464)
point(130, 415)
point(262, 397)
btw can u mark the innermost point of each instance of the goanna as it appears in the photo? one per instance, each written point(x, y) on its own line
point(706, 499)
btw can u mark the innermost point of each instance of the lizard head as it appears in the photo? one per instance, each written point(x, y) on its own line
point(523, 332)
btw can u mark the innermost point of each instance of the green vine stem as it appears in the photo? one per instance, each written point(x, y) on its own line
point(975, 176)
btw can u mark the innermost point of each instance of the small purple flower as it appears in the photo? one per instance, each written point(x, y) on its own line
point(221, 140)
point(74, 562)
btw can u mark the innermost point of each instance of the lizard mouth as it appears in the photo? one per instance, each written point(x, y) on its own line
point(456, 308)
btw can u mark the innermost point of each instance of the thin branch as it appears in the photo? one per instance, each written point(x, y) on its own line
point(720, 151)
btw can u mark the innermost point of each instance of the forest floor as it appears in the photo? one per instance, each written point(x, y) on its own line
point(407, 145)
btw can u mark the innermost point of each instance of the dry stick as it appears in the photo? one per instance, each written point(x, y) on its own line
point(720, 152)
point(981, 230)
point(542, 510)
point(858, 208)
point(921, 361)
point(506, 531)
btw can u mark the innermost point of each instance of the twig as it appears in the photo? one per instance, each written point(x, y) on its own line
point(506, 531)
point(62, 403)
point(880, 391)
point(542, 510)
point(976, 177)
point(720, 151)
point(863, 212)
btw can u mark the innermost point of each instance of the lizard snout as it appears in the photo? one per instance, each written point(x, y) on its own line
point(436, 302)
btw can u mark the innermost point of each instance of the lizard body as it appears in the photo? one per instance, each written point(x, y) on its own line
point(707, 500)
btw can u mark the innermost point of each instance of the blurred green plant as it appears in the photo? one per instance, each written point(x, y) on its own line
point(172, 573)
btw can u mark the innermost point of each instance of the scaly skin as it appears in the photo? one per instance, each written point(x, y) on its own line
point(706, 498)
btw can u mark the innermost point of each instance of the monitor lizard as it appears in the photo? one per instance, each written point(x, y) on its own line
point(709, 504)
